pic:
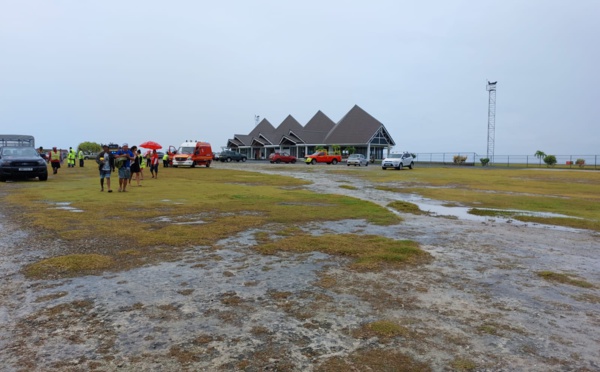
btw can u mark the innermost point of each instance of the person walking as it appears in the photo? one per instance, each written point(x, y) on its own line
point(80, 157)
point(54, 159)
point(165, 160)
point(106, 164)
point(124, 158)
point(142, 161)
point(154, 164)
point(135, 168)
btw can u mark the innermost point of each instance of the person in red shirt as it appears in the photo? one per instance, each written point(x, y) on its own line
point(154, 164)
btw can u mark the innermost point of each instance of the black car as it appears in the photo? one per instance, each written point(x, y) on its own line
point(228, 155)
point(22, 162)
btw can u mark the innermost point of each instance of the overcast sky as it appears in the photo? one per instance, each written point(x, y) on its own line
point(130, 71)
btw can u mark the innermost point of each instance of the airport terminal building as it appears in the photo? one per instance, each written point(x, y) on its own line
point(357, 129)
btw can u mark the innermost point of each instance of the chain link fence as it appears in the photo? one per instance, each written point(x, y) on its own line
point(523, 161)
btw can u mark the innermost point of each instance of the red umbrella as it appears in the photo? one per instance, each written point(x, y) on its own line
point(151, 145)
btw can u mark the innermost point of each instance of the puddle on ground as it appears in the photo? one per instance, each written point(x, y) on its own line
point(66, 206)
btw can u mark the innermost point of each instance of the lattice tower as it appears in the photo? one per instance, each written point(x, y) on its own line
point(491, 88)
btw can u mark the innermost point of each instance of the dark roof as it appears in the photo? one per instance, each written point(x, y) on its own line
point(287, 125)
point(263, 127)
point(315, 131)
point(357, 126)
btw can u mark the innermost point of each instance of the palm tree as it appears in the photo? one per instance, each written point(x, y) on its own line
point(540, 155)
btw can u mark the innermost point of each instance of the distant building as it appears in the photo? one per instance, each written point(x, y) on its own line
point(356, 129)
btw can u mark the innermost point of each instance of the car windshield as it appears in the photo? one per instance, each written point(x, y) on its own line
point(399, 156)
point(19, 151)
point(354, 156)
point(185, 150)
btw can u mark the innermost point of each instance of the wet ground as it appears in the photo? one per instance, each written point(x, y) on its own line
point(479, 305)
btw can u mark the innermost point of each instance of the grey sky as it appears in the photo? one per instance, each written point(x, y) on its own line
point(130, 71)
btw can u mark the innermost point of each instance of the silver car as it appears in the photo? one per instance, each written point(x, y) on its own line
point(357, 159)
point(397, 161)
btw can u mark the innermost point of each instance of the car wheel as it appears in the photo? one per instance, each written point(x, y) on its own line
point(384, 168)
point(208, 164)
point(278, 161)
point(411, 165)
point(293, 161)
point(193, 164)
point(44, 177)
point(366, 164)
point(313, 162)
point(243, 159)
point(334, 161)
point(228, 160)
point(399, 166)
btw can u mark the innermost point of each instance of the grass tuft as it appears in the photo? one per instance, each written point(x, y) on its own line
point(369, 252)
point(70, 265)
point(406, 207)
point(564, 278)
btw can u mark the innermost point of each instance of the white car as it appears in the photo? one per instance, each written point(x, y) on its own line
point(397, 161)
point(357, 159)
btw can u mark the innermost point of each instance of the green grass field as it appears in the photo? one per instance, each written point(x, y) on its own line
point(192, 207)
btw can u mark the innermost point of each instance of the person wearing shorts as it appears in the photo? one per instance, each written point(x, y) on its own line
point(105, 166)
point(124, 169)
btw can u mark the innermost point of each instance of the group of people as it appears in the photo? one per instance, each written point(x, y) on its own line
point(128, 162)
point(72, 156)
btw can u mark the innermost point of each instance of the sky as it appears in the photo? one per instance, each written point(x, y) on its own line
point(170, 71)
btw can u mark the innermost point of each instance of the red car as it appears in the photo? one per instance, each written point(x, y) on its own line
point(282, 157)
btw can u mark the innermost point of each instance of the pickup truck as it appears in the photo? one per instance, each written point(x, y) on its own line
point(322, 157)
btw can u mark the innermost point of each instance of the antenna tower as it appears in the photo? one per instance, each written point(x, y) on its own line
point(491, 88)
point(256, 120)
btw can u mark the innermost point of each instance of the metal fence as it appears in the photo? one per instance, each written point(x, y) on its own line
point(527, 161)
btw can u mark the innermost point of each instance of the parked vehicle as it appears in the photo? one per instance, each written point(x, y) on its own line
point(282, 157)
point(87, 155)
point(22, 162)
point(323, 157)
point(22, 140)
point(357, 159)
point(192, 153)
point(228, 156)
point(397, 161)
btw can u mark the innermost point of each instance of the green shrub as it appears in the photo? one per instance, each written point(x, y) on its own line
point(484, 161)
point(550, 160)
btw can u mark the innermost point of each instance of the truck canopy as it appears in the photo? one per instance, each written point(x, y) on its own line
point(16, 140)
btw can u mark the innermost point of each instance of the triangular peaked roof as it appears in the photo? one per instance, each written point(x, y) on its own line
point(263, 127)
point(357, 126)
point(315, 131)
point(287, 125)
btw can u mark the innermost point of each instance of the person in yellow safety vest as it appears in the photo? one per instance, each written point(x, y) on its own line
point(54, 159)
point(165, 160)
point(80, 157)
point(71, 158)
